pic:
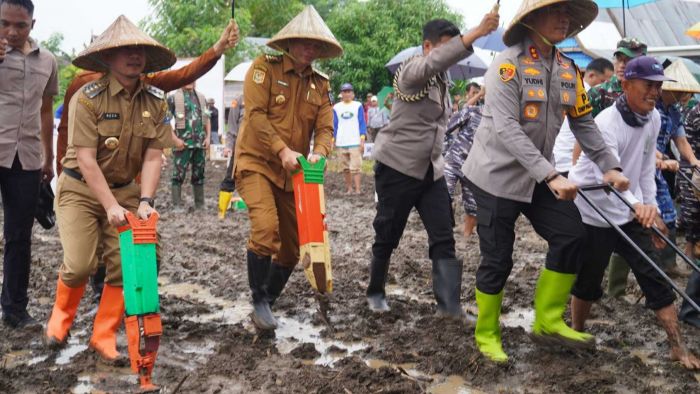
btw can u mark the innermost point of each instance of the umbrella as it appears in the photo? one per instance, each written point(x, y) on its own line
point(694, 31)
point(492, 41)
point(468, 68)
point(622, 4)
point(237, 74)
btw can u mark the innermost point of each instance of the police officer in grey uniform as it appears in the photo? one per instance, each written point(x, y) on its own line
point(409, 168)
point(531, 85)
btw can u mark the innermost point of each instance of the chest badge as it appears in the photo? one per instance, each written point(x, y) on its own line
point(280, 99)
point(531, 111)
point(146, 114)
point(112, 143)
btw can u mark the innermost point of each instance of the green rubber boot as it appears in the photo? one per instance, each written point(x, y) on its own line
point(488, 329)
point(551, 298)
point(618, 270)
point(176, 195)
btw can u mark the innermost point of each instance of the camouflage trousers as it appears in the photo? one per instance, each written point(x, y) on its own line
point(182, 159)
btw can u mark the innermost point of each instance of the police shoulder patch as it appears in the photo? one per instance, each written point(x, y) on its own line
point(155, 91)
point(93, 89)
point(258, 76)
point(506, 71)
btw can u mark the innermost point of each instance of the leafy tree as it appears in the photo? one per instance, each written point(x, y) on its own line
point(372, 32)
point(190, 27)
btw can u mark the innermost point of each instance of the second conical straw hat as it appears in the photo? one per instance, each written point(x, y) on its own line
point(124, 33)
point(685, 81)
point(581, 14)
point(308, 24)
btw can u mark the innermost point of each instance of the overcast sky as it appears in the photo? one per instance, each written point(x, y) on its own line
point(77, 19)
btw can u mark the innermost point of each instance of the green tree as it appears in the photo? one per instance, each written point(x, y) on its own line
point(190, 27)
point(372, 32)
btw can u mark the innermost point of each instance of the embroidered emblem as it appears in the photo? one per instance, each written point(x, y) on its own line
point(534, 54)
point(531, 111)
point(506, 71)
point(280, 99)
point(567, 75)
point(258, 76)
point(531, 71)
point(540, 93)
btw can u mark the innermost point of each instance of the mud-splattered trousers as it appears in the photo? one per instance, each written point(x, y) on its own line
point(183, 159)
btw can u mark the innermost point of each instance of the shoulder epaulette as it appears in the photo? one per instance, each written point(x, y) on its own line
point(155, 91)
point(273, 58)
point(323, 75)
point(93, 89)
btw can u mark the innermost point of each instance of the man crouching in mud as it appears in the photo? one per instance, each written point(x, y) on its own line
point(630, 128)
point(410, 165)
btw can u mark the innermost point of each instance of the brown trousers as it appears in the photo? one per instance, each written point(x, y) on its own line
point(273, 220)
point(86, 233)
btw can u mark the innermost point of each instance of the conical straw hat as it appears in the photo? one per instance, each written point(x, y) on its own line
point(307, 25)
point(685, 81)
point(581, 12)
point(124, 33)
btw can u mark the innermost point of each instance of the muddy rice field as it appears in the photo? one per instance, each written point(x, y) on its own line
point(209, 344)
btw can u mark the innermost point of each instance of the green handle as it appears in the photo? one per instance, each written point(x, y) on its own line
point(313, 173)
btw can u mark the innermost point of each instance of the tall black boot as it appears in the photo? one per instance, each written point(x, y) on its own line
point(447, 287)
point(687, 313)
point(276, 280)
point(376, 296)
point(97, 282)
point(258, 269)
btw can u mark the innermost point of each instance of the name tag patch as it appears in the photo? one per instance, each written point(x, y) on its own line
point(110, 116)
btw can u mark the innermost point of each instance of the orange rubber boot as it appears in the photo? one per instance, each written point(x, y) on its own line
point(63, 313)
point(109, 317)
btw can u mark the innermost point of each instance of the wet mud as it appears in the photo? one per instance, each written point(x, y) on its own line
point(210, 345)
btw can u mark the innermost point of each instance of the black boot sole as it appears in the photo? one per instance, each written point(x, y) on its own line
point(559, 341)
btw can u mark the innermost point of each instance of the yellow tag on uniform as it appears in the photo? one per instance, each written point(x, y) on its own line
point(531, 71)
point(567, 76)
point(258, 76)
point(506, 71)
point(582, 106)
point(146, 114)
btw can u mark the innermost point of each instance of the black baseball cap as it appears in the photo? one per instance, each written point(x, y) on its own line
point(647, 68)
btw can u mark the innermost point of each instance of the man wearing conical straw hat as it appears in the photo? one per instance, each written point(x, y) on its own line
point(530, 86)
point(287, 104)
point(118, 128)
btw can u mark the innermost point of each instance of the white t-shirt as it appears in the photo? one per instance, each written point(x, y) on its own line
point(635, 147)
point(349, 124)
point(564, 145)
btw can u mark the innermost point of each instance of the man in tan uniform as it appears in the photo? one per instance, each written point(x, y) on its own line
point(286, 102)
point(117, 128)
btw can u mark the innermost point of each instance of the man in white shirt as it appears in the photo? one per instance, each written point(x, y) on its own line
point(630, 128)
point(349, 133)
point(598, 71)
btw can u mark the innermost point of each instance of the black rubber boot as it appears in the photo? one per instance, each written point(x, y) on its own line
point(688, 314)
point(376, 296)
point(276, 280)
point(447, 288)
point(97, 282)
point(258, 270)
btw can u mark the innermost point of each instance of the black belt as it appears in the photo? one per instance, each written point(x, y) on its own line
point(76, 175)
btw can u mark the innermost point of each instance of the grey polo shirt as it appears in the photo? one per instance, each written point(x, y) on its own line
point(24, 81)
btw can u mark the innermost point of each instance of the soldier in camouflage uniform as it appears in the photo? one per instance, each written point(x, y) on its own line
point(192, 131)
point(604, 95)
point(690, 214)
point(469, 117)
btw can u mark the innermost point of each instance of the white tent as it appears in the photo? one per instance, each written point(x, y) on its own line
point(237, 74)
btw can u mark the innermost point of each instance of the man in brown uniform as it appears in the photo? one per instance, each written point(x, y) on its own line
point(286, 102)
point(118, 128)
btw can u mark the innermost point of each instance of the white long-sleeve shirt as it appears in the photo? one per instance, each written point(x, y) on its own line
point(563, 151)
point(635, 147)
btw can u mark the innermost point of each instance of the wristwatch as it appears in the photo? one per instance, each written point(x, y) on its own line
point(149, 200)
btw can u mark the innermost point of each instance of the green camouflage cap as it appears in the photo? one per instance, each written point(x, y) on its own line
point(631, 47)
